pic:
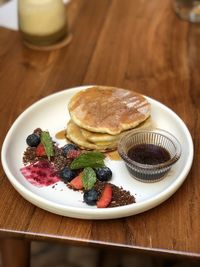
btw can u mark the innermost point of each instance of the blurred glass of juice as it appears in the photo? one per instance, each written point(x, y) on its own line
point(42, 22)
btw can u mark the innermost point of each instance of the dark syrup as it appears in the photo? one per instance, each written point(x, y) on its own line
point(148, 154)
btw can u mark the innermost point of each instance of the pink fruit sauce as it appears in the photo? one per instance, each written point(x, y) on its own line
point(41, 173)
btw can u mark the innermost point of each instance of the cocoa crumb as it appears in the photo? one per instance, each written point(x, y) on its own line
point(29, 155)
point(58, 159)
point(120, 197)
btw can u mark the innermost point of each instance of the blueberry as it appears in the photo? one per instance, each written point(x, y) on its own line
point(68, 147)
point(67, 174)
point(103, 174)
point(33, 140)
point(90, 197)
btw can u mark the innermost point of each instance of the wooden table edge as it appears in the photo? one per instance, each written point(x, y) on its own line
point(96, 244)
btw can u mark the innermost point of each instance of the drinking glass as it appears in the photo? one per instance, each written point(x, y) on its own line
point(188, 9)
point(42, 22)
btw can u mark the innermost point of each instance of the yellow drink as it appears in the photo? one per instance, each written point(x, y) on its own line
point(42, 22)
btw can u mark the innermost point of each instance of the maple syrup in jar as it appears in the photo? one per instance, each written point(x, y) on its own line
point(148, 154)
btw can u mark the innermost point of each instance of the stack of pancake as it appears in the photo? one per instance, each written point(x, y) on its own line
point(101, 115)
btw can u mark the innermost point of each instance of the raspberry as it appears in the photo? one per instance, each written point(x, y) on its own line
point(72, 154)
point(68, 147)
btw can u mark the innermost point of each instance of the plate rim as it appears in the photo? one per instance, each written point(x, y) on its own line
point(88, 213)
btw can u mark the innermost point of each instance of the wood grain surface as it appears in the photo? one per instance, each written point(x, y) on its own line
point(136, 44)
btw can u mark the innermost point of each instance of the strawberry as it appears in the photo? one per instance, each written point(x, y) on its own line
point(77, 182)
point(72, 154)
point(106, 197)
point(40, 150)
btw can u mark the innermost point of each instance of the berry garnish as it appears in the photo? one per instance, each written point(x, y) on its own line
point(67, 174)
point(103, 174)
point(68, 147)
point(106, 197)
point(77, 182)
point(46, 163)
point(90, 197)
point(40, 150)
point(72, 154)
point(33, 140)
point(38, 131)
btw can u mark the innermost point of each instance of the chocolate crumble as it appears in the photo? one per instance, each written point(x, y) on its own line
point(120, 197)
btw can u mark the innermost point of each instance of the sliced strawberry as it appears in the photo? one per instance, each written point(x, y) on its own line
point(40, 150)
point(72, 154)
point(77, 182)
point(106, 197)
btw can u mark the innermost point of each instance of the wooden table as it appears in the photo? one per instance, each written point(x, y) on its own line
point(135, 44)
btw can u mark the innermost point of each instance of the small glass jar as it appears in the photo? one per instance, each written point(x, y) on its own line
point(42, 22)
point(164, 151)
point(187, 9)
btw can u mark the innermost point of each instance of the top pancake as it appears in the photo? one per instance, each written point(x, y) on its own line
point(108, 109)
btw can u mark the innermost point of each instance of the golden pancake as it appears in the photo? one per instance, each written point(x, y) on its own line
point(73, 133)
point(103, 137)
point(108, 110)
point(99, 137)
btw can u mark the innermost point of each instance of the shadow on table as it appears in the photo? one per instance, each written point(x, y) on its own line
point(48, 255)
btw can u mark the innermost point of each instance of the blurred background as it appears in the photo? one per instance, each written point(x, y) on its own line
point(58, 255)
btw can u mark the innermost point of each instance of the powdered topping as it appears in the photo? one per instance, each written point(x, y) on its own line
point(117, 110)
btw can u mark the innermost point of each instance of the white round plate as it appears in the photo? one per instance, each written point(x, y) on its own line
point(51, 114)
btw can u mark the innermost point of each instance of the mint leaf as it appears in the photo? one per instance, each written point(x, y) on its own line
point(90, 159)
point(89, 178)
point(46, 140)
